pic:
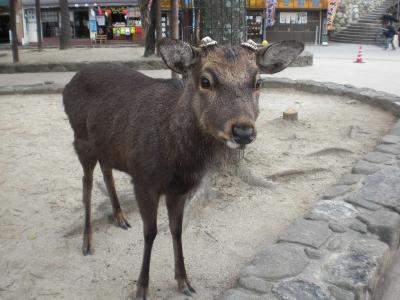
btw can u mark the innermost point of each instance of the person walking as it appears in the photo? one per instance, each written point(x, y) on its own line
point(389, 32)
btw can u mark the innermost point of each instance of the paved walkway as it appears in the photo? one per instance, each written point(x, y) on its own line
point(333, 63)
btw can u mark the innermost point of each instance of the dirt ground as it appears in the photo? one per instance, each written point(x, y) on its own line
point(41, 215)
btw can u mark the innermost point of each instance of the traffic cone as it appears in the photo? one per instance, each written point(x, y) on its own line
point(359, 56)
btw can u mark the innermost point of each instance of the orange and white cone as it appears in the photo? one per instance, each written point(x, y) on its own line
point(359, 56)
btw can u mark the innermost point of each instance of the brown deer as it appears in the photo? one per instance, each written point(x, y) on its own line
point(164, 133)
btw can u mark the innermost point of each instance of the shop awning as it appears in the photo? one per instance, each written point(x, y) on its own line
point(80, 3)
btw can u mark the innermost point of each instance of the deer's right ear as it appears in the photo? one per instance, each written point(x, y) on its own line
point(177, 55)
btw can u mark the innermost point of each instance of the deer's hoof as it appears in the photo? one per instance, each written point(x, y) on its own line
point(121, 221)
point(87, 250)
point(185, 287)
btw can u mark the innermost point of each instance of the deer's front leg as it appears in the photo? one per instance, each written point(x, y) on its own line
point(148, 204)
point(175, 206)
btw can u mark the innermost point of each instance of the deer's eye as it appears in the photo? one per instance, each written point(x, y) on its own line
point(205, 83)
point(258, 84)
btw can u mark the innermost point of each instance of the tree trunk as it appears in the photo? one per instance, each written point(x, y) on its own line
point(223, 21)
point(38, 25)
point(150, 43)
point(174, 26)
point(13, 27)
point(65, 35)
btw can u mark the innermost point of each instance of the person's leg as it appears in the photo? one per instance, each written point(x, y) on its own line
point(392, 42)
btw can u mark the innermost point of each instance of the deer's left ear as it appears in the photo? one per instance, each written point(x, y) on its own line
point(177, 55)
point(276, 57)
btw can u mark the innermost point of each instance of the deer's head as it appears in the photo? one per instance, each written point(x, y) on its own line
point(224, 83)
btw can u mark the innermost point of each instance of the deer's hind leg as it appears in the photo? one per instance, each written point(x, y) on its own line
point(109, 181)
point(88, 161)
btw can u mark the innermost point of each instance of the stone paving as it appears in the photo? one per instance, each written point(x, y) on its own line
point(342, 247)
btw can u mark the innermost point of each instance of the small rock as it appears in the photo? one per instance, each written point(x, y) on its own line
point(391, 139)
point(358, 226)
point(313, 253)
point(308, 233)
point(390, 149)
point(256, 284)
point(49, 82)
point(341, 294)
point(279, 261)
point(350, 179)
point(336, 227)
point(290, 114)
point(385, 224)
point(377, 157)
point(336, 191)
point(300, 289)
point(331, 210)
point(334, 244)
point(352, 102)
point(364, 167)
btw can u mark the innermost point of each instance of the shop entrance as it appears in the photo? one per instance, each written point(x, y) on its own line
point(4, 29)
point(81, 24)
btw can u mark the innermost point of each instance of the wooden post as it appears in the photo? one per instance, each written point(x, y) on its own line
point(13, 27)
point(38, 25)
point(174, 26)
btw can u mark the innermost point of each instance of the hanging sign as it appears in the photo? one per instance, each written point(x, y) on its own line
point(270, 6)
point(333, 6)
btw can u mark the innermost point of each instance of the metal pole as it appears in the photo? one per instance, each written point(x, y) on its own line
point(13, 27)
point(38, 25)
point(158, 23)
point(174, 26)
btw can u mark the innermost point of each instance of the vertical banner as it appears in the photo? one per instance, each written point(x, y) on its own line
point(333, 6)
point(270, 6)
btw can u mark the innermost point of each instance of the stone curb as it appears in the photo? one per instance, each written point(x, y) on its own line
point(305, 59)
point(342, 247)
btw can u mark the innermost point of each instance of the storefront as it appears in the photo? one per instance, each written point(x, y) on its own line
point(4, 22)
point(292, 19)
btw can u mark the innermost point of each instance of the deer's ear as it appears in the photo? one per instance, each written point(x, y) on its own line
point(177, 55)
point(276, 57)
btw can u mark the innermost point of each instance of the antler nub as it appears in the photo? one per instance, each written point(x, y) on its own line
point(250, 44)
point(207, 41)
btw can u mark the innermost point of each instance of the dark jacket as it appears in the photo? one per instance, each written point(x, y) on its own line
point(389, 31)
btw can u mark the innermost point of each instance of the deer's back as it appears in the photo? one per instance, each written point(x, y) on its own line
point(121, 112)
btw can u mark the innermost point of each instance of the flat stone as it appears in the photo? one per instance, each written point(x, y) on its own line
point(363, 203)
point(313, 253)
point(334, 244)
point(341, 294)
point(308, 233)
point(385, 224)
point(377, 157)
point(279, 261)
point(350, 179)
point(358, 226)
point(364, 167)
point(331, 210)
point(336, 191)
point(297, 289)
point(391, 139)
point(390, 149)
point(358, 268)
point(255, 284)
point(383, 188)
point(237, 294)
point(336, 227)
point(396, 128)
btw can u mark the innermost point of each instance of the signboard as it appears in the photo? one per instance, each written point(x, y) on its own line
point(93, 26)
point(293, 18)
point(332, 9)
point(270, 12)
point(101, 20)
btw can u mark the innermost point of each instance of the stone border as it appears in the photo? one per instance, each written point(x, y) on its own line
point(342, 247)
point(304, 60)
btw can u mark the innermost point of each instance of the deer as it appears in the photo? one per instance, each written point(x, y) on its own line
point(166, 133)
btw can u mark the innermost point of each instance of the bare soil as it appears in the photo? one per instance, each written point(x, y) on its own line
point(41, 214)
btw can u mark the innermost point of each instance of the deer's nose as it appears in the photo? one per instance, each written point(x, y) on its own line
point(243, 134)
